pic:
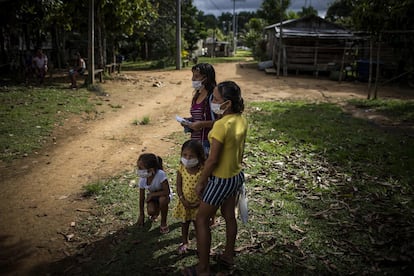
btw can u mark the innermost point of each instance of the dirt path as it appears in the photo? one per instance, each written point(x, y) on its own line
point(40, 194)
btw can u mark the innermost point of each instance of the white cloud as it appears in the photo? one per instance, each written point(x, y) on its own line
point(217, 7)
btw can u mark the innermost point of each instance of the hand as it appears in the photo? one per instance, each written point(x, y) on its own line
point(194, 205)
point(196, 125)
point(140, 221)
point(186, 204)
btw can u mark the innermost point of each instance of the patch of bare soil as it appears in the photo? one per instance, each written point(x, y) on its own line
point(40, 195)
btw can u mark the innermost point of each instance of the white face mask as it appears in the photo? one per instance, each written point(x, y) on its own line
point(189, 163)
point(144, 173)
point(215, 107)
point(197, 84)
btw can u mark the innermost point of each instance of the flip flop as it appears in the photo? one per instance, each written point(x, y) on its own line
point(219, 260)
point(182, 249)
point(189, 271)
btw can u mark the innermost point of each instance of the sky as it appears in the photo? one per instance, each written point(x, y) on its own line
point(217, 7)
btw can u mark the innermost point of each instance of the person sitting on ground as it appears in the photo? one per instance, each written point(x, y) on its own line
point(40, 65)
point(78, 70)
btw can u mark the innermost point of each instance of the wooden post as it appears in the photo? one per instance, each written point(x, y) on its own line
point(178, 64)
point(91, 44)
point(378, 66)
point(371, 46)
point(315, 58)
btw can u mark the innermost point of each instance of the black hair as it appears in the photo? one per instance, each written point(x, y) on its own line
point(207, 70)
point(197, 148)
point(151, 161)
point(230, 91)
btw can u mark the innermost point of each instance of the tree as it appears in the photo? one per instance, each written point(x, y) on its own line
point(340, 12)
point(388, 21)
point(272, 10)
point(191, 27)
point(307, 11)
point(253, 37)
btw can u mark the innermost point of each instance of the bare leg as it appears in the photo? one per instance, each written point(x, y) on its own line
point(185, 226)
point(227, 210)
point(153, 209)
point(73, 79)
point(164, 200)
point(203, 232)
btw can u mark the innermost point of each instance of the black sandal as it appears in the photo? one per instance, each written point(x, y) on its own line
point(219, 260)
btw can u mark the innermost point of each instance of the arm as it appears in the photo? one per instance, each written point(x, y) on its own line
point(179, 184)
point(141, 207)
point(165, 191)
point(180, 190)
point(201, 124)
point(209, 166)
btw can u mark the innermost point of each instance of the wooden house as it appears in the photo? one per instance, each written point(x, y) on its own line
point(309, 44)
point(217, 48)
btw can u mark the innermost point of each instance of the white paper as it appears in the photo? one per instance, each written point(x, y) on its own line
point(181, 120)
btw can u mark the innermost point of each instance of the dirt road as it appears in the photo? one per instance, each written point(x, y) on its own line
point(40, 194)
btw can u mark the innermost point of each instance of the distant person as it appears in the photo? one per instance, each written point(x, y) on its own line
point(77, 70)
point(40, 65)
point(188, 173)
point(153, 179)
point(28, 65)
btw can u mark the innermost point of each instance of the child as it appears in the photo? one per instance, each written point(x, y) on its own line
point(202, 119)
point(153, 179)
point(191, 165)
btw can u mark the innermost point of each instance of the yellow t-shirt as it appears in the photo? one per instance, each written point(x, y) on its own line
point(231, 131)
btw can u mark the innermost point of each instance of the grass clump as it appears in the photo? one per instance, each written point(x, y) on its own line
point(403, 110)
point(144, 121)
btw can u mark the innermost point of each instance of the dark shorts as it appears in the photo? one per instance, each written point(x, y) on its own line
point(220, 189)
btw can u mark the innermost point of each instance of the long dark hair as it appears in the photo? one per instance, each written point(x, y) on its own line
point(230, 91)
point(207, 70)
point(151, 161)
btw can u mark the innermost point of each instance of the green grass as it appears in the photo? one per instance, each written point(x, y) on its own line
point(328, 195)
point(28, 116)
point(402, 110)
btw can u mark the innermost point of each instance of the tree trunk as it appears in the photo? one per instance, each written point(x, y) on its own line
point(100, 57)
point(370, 67)
point(377, 72)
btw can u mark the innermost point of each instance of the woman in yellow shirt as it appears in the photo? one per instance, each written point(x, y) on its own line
point(222, 176)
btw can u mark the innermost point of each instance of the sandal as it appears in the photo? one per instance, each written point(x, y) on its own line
point(164, 229)
point(182, 249)
point(219, 260)
point(189, 271)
